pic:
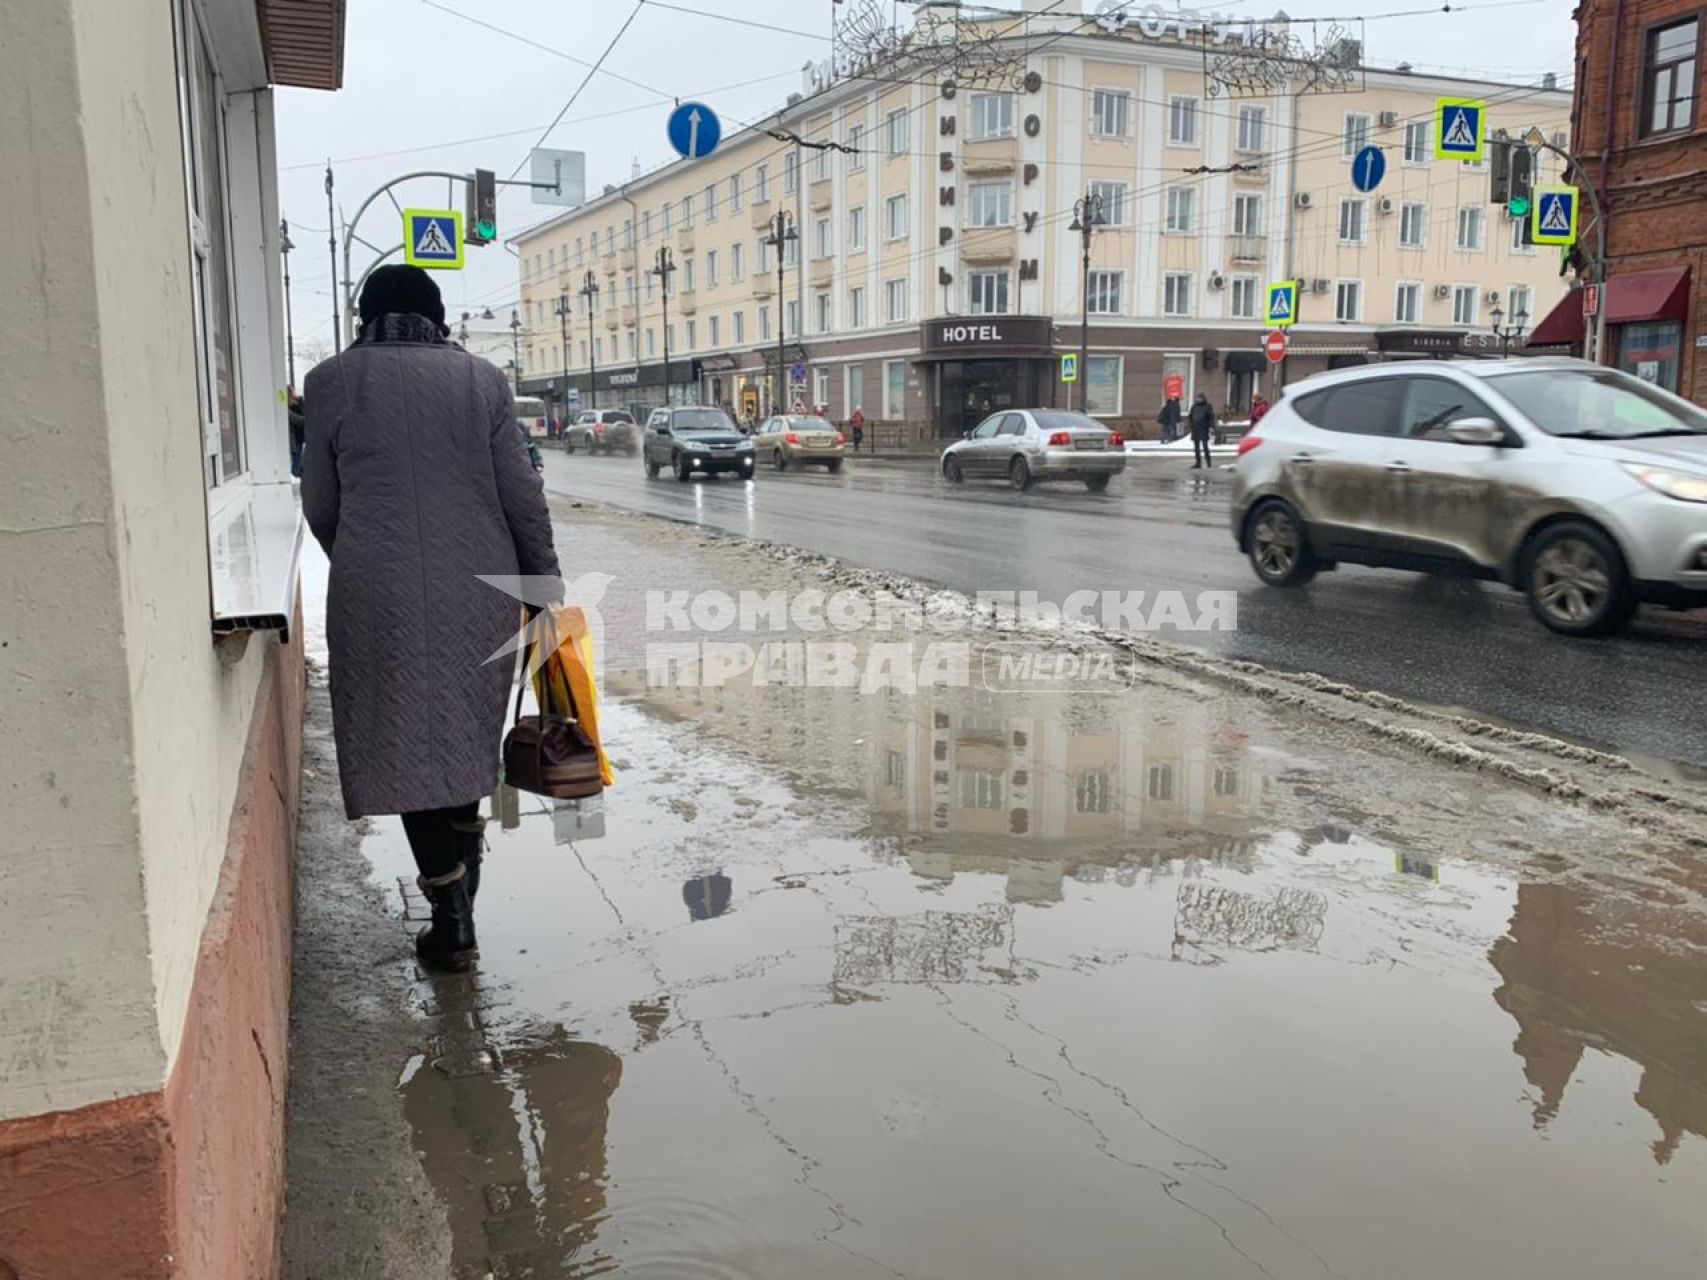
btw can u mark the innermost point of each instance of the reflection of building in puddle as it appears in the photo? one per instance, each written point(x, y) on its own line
point(1573, 982)
point(1210, 915)
point(573, 820)
point(513, 1141)
point(707, 897)
point(935, 946)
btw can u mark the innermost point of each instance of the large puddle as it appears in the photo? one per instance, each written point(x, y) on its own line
point(949, 985)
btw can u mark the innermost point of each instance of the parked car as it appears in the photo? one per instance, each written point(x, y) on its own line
point(1581, 486)
point(602, 430)
point(800, 441)
point(1027, 445)
point(689, 439)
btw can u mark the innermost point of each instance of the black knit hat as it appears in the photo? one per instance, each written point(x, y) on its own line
point(403, 290)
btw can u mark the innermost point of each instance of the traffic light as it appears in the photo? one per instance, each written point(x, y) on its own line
point(482, 220)
point(1522, 188)
point(1499, 170)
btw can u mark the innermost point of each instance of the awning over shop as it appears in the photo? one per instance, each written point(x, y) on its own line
point(1633, 297)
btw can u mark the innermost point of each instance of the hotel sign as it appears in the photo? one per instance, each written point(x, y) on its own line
point(988, 335)
point(1153, 22)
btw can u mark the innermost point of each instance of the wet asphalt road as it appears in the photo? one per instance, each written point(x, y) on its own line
point(1162, 527)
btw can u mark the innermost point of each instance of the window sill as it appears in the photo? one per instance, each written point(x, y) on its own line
point(255, 536)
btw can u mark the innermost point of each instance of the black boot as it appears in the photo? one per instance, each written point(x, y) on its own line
point(471, 846)
point(448, 942)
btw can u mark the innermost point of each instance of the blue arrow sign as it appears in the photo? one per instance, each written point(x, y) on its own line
point(1368, 167)
point(695, 130)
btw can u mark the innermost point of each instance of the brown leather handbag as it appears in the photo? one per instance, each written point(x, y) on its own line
point(549, 754)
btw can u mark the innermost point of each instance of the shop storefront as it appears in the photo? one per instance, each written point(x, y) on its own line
point(639, 389)
point(983, 364)
point(1645, 316)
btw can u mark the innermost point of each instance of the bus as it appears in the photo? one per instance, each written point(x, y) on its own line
point(531, 411)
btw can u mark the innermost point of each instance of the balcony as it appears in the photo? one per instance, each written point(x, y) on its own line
point(821, 195)
point(988, 244)
point(684, 238)
point(687, 301)
point(991, 155)
point(630, 315)
point(610, 264)
point(822, 273)
point(759, 214)
point(1247, 248)
point(611, 317)
point(763, 285)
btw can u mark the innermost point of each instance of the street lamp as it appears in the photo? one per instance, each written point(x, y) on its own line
point(589, 291)
point(666, 266)
point(1088, 215)
point(516, 347)
point(285, 246)
point(563, 320)
point(782, 235)
point(1513, 332)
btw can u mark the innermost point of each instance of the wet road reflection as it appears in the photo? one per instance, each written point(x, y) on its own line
point(950, 985)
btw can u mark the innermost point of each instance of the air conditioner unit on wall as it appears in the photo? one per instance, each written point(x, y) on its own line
point(1384, 205)
point(1389, 119)
point(1301, 200)
point(1491, 296)
point(1216, 280)
point(1443, 291)
point(1318, 286)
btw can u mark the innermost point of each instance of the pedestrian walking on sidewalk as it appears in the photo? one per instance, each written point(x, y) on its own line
point(1259, 407)
point(856, 427)
point(414, 481)
point(1202, 421)
point(1169, 419)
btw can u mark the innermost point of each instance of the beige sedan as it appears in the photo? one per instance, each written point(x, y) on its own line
point(799, 442)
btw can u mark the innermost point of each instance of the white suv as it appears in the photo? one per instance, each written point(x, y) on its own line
point(1581, 486)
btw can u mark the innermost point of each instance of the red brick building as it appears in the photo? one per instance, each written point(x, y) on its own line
point(1639, 130)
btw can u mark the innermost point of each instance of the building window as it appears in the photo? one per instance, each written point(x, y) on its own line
point(628, 233)
point(1470, 227)
point(856, 140)
point(1176, 293)
point(740, 336)
point(1102, 385)
point(821, 163)
point(823, 238)
point(992, 116)
point(633, 291)
point(1182, 121)
point(1416, 142)
point(1464, 304)
point(1161, 782)
point(792, 315)
point(735, 193)
point(711, 269)
point(737, 261)
point(1356, 136)
point(987, 293)
point(651, 343)
point(895, 301)
point(980, 788)
point(990, 204)
point(1407, 303)
point(856, 308)
point(1351, 221)
point(646, 226)
point(1253, 129)
point(633, 345)
point(711, 203)
point(821, 302)
point(1091, 792)
point(1413, 225)
point(894, 389)
point(687, 220)
point(1180, 200)
point(1244, 298)
point(693, 335)
point(791, 252)
point(897, 128)
point(791, 173)
point(764, 324)
point(1104, 293)
point(895, 217)
point(762, 183)
point(1668, 79)
point(853, 388)
point(663, 221)
point(1520, 238)
point(1519, 302)
point(1348, 301)
point(687, 274)
point(856, 229)
point(1247, 214)
point(821, 388)
point(1111, 201)
point(1111, 113)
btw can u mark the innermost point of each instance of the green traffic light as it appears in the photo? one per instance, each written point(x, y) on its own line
point(486, 230)
point(1518, 207)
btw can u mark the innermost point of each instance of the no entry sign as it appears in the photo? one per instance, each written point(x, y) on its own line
point(1274, 347)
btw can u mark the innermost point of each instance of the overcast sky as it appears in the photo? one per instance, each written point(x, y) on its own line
point(430, 84)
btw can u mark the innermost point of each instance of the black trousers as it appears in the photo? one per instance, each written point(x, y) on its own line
point(433, 837)
point(1200, 449)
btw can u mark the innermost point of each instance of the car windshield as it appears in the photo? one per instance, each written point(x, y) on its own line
point(1598, 404)
point(697, 420)
point(1061, 420)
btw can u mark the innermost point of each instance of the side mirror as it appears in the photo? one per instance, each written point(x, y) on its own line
point(1483, 431)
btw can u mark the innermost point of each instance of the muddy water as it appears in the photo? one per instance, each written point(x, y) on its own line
point(952, 986)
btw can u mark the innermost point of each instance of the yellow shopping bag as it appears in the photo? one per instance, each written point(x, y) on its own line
point(563, 682)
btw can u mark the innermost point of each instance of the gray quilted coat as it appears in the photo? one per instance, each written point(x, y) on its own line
point(414, 480)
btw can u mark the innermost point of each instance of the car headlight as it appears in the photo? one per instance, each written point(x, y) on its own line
point(746, 446)
point(1682, 485)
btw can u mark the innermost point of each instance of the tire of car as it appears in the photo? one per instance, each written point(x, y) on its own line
point(779, 460)
point(1019, 474)
point(1097, 484)
point(684, 473)
point(1576, 581)
point(1278, 545)
point(833, 466)
point(951, 471)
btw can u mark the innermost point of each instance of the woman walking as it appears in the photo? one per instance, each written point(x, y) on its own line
point(414, 481)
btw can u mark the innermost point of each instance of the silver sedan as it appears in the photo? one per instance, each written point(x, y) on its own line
point(1024, 446)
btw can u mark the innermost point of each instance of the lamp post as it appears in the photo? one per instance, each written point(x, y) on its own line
point(1087, 217)
point(589, 291)
point(666, 265)
point(516, 347)
point(285, 246)
point(1511, 333)
point(782, 234)
point(563, 320)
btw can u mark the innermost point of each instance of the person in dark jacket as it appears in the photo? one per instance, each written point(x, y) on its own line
point(415, 480)
point(298, 429)
point(1202, 421)
point(1169, 418)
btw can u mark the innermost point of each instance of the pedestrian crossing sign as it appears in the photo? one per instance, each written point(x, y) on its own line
point(1282, 304)
point(1553, 218)
point(1460, 129)
point(1070, 367)
point(432, 238)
